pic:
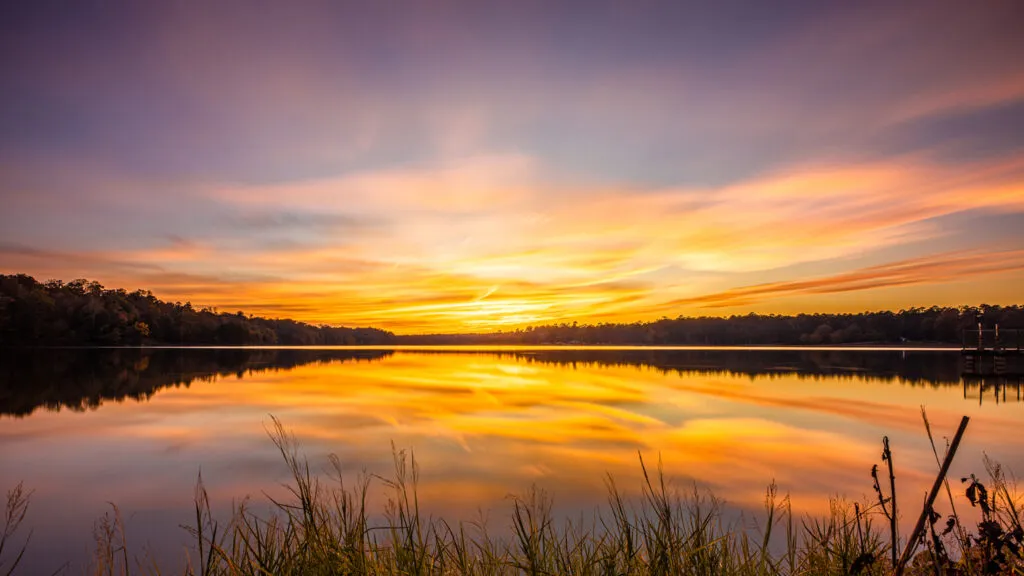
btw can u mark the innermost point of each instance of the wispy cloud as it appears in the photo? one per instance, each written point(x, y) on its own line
point(414, 249)
point(662, 163)
point(932, 269)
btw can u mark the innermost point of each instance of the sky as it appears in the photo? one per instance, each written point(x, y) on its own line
point(442, 166)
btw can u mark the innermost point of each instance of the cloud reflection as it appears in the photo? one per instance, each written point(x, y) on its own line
point(483, 425)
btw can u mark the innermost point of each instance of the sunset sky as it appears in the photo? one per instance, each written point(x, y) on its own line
point(465, 166)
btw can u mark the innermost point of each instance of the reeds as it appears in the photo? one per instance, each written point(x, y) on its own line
point(323, 526)
point(14, 515)
point(997, 544)
point(326, 528)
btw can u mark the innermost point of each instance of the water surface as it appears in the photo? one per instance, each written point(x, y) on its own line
point(135, 427)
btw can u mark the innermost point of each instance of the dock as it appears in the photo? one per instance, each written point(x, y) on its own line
point(995, 352)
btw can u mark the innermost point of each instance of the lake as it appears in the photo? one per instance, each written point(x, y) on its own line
point(86, 428)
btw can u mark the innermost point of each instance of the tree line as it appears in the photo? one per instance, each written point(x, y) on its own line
point(80, 312)
point(938, 325)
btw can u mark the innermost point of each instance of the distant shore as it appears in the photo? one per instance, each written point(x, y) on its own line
point(83, 313)
point(919, 347)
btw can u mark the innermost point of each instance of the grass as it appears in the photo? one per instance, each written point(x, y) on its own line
point(14, 515)
point(324, 527)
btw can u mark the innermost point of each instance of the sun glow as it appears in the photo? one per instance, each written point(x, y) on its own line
point(519, 187)
point(444, 261)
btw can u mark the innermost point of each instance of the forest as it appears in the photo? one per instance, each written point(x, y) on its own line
point(934, 325)
point(81, 312)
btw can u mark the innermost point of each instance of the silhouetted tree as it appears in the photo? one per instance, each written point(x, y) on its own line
point(81, 312)
point(933, 325)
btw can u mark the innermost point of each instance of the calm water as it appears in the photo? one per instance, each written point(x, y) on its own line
point(84, 428)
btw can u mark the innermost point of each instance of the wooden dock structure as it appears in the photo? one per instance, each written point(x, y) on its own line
point(995, 352)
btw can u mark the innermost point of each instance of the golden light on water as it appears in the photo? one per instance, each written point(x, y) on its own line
point(439, 168)
point(496, 423)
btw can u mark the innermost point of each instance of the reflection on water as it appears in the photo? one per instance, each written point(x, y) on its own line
point(134, 427)
point(83, 379)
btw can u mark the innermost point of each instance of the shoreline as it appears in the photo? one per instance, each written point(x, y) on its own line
point(867, 347)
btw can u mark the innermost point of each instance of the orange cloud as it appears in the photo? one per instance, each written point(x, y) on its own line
point(488, 243)
point(926, 270)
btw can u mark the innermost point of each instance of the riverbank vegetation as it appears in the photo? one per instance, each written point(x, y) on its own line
point(934, 325)
point(326, 527)
point(81, 312)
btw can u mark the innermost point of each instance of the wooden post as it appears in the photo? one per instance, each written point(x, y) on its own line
point(919, 527)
